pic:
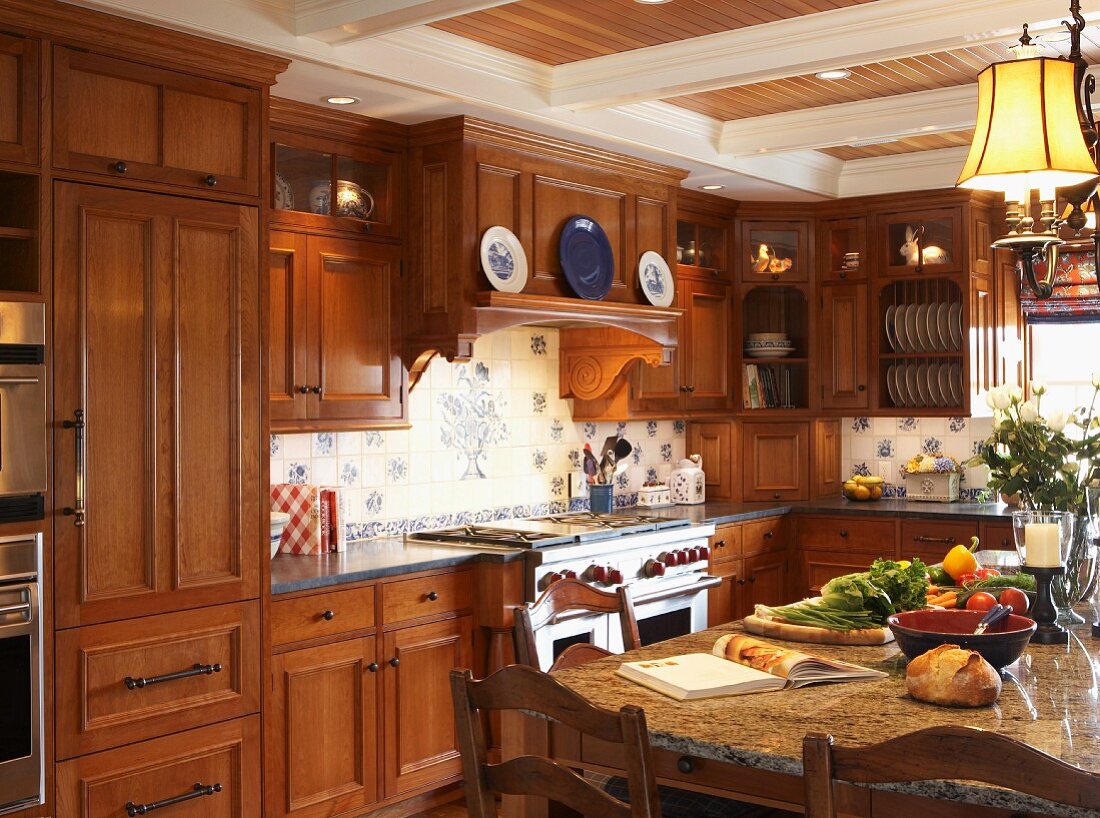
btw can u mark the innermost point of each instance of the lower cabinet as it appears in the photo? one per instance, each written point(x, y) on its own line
point(723, 602)
point(818, 567)
point(765, 581)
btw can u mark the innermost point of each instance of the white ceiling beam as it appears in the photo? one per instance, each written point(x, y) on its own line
point(856, 35)
point(343, 21)
point(925, 170)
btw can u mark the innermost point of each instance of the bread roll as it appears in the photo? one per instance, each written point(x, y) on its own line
point(951, 676)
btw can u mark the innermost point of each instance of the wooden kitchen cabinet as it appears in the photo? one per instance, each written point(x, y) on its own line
point(718, 442)
point(156, 312)
point(19, 84)
point(765, 581)
point(845, 350)
point(323, 730)
point(724, 601)
point(774, 251)
point(124, 120)
point(937, 230)
point(334, 345)
point(775, 460)
point(996, 535)
point(932, 539)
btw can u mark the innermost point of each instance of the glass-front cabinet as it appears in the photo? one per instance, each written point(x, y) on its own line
point(842, 249)
point(350, 189)
point(702, 248)
point(919, 242)
point(774, 252)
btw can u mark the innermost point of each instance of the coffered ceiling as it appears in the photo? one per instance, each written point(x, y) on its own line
point(725, 88)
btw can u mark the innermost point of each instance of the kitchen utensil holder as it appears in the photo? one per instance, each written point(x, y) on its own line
point(601, 498)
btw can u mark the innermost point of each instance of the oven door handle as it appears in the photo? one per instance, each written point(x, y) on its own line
point(705, 582)
point(23, 607)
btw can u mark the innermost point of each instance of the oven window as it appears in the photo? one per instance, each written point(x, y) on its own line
point(15, 693)
point(561, 644)
point(664, 626)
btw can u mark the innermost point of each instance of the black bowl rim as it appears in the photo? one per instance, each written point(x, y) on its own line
point(892, 623)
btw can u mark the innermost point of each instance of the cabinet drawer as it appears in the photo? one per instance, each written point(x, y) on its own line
point(309, 617)
point(726, 543)
point(426, 596)
point(997, 536)
point(875, 537)
point(223, 757)
point(132, 680)
point(131, 121)
point(928, 537)
point(819, 567)
point(763, 535)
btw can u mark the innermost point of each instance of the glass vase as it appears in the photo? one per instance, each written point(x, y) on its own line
point(1079, 581)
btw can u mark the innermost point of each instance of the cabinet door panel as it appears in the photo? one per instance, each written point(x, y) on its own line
point(723, 602)
point(717, 442)
point(355, 326)
point(286, 340)
point(708, 362)
point(322, 730)
point(775, 461)
point(845, 344)
point(420, 738)
point(18, 99)
point(765, 581)
point(157, 335)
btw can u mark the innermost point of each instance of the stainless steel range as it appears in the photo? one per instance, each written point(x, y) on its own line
point(663, 561)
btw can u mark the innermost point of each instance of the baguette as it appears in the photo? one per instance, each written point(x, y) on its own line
point(820, 636)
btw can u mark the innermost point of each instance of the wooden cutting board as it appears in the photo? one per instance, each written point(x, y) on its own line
point(822, 636)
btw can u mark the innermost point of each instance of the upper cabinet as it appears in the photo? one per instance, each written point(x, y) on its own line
point(927, 241)
point(774, 251)
point(19, 85)
point(702, 244)
point(118, 119)
point(842, 249)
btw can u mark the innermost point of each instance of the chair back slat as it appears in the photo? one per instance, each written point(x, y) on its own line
point(534, 775)
point(579, 654)
point(572, 595)
point(524, 688)
point(949, 753)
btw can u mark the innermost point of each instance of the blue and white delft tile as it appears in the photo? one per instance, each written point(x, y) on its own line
point(651, 475)
point(861, 425)
point(472, 419)
point(276, 445)
point(931, 446)
point(539, 459)
point(626, 500)
point(861, 468)
point(622, 480)
point(540, 509)
point(589, 430)
point(579, 504)
point(636, 455)
point(620, 428)
point(349, 474)
point(956, 425)
point(678, 427)
point(397, 470)
point(557, 430)
point(297, 473)
point(884, 448)
point(538, 402)
point(538, 344)
point(373, 440)
point(323, 443)
point(502, 513)
point(372, 504)
point(666, 452)
point(651, 428)
point(907, 424)
point(557, 486)
point(575, 458)
point(523, 510)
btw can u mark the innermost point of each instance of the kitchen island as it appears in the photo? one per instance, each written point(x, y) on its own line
point(750, 747)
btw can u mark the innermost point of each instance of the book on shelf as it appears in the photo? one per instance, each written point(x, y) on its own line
point(740, 664)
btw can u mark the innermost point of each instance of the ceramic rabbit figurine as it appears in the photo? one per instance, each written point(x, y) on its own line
point(912, 252)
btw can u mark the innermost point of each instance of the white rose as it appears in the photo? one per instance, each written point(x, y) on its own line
point(999, 397)
point(1057, 420)
point(1016, 393)
point(1029, 411)
point(1038, 388)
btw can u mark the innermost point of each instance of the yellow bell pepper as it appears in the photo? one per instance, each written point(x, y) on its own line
point(959, 561)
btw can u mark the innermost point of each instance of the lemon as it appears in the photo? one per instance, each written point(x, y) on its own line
point(862, 493)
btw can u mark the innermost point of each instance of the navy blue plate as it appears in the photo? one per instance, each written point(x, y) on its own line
point(586, 258)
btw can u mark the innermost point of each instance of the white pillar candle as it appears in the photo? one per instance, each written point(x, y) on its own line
point(1043, 542)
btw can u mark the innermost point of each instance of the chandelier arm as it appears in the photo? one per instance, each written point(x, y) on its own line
point(1028, 257)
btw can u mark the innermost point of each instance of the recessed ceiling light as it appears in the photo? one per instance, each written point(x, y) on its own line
point(711, 187)
point(878, 140)
point(341, 100)
point(834, 74)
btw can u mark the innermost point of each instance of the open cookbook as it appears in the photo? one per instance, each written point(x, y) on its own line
point(740, 664)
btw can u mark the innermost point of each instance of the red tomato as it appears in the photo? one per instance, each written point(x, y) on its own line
point(1015, 599)
point(981, 601)
point(986, 573)
point(967, 578)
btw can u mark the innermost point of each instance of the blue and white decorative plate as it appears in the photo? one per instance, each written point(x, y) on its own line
point(503, 260)
point(655, 279)
point(586, 258)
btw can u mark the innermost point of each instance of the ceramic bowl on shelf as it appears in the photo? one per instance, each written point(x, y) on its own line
point(918, 632)
point(352, 201)
point(279, 521)
point(767, 336)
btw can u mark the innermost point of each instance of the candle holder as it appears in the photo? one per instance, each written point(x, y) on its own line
point(1043, 611)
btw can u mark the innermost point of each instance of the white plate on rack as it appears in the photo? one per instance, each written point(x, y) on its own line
point(911, 329)
point(933, 381)
point(923, 341)
point(945, 385)
point(911, 386)
point(934, 344)
point(890, 385)
point(956, 384)
point(899, 386)
point(956, 327)
point(943, 326)
point(922, 385)
point(899, 328)
point(503, 260)
point(891, 335)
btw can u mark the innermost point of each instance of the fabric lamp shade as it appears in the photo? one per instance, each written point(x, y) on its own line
point(1027, 134)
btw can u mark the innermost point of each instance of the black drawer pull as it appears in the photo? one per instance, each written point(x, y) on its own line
point(685, 764)
point(720, 544)
point(119, 167)
point(740, 582)
point(373, 667)
point(210, 180)
point(942, 540)
point(196, 670)
point(328, 616)
point(303, 390)
point(777, 496)
point(769, 534)
point(196, 791)
point(394, 662)
point(432, 596)
point(316, 390)
point(843, 533)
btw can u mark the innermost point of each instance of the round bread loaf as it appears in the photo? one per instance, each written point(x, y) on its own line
point(949, 675)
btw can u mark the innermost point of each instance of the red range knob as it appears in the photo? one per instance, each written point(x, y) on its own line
point(596, 573)
point(615, 577)
point(681, 557)
point(668, 558)
point(654, 569)
point(693, 555)
point(548, 580)
point(704, 552)
point(570, 574)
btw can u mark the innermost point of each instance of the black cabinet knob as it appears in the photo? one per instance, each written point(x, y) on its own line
point(316, 390)
point(303, 390)
point(861, 388)
point(843, 533)
point(752, 579)
point(328, 616)
point(740, 582)
point(119, 167)
point(394, 662)
point(210, 180)
point(373, 667)
point(685, 764)
point(843, 275)
point(775, 496)
point(720, 544)
point(770, 534)
point(775, 276)
point(432, 596)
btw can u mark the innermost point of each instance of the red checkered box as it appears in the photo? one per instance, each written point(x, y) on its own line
point(302, 534)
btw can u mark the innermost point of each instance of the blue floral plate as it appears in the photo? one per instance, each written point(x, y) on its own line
point(655, 279)
point(586, 258)
point(503, 259)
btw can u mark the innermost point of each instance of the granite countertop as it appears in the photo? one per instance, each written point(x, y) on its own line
point(1049, 701)
point(374, 559)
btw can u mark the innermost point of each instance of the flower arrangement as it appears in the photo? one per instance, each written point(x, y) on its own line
point(1046, 459)
point(931, 464)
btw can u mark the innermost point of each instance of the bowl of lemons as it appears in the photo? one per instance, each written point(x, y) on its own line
point(861, 488)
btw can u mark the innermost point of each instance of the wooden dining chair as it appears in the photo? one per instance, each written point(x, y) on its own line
point(943, 753)
point(519, 687)
point(573, 595)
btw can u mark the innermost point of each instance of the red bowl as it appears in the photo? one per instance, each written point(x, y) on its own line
point(918, 632)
